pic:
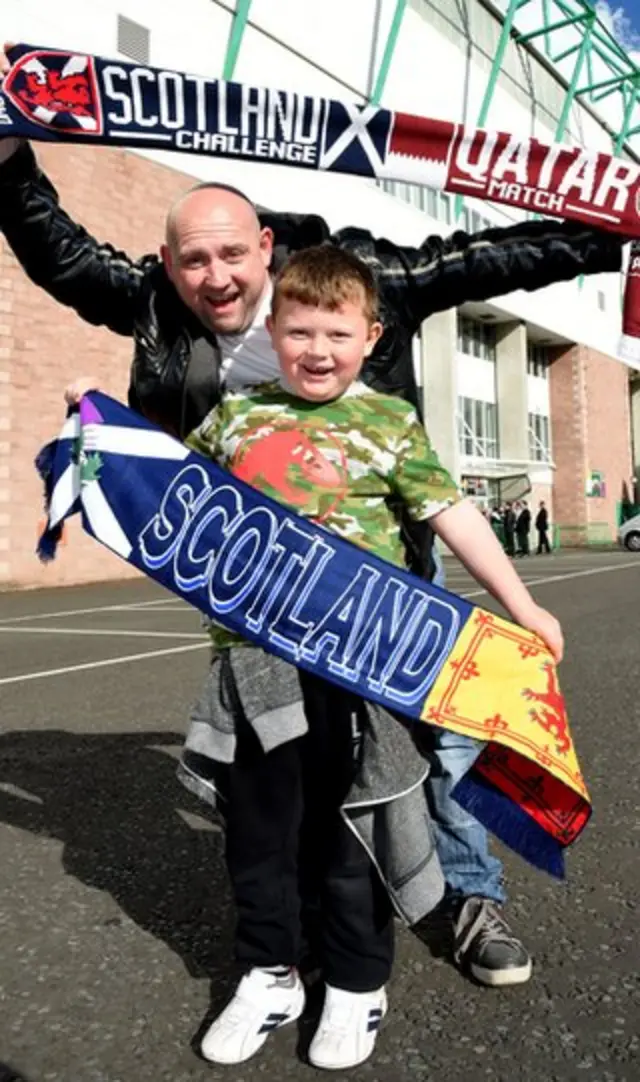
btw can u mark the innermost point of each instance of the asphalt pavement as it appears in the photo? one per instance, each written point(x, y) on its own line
point(115, 915)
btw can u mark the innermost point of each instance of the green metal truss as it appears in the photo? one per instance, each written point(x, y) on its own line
point(569, 35)
point(389, 49)
point(572, 38)
point(240, 19)
point(238, 27)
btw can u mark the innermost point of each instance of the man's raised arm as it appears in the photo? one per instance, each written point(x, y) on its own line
point(102, 284)
point(445, 272)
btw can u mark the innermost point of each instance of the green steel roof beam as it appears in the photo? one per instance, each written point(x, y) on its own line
point(571, 7)
point(238, 27)
point(613, 65)
point(614, 62)
point(503, 41)
point(590, 66)
point(389, 50)
point(545, 19)
point(600, 31)
point(585, 45)
point(567, 52)
point(602, 35)
point(632, 98)
point(605, 94)
point(548, 28)
point(613, 82)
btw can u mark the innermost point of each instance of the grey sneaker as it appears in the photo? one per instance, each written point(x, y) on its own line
point(485, 945)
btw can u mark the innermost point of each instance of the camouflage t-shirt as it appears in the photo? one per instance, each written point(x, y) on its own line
point(336, 463)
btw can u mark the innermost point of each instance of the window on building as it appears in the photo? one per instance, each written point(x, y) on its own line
point(539, 438)
point(436, 204)
point(477, 428)
point(443, 213)
point(537, 360)
point(403, 191)
point(602, 300)
point(477, 339)
point(133, 40)
point(473, 222)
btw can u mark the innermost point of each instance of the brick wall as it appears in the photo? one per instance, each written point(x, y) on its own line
point(609, 433)
point(590, 423)
point(567, 401)
point(120, 198)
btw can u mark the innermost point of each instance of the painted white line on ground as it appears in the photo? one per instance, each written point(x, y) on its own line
point(85, 612)
point(188, 610)
point(568, 575)
point(101, 631)
point(24, 677)
point(157, 603)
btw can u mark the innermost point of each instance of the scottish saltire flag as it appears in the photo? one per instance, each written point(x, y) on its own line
point(291, 587)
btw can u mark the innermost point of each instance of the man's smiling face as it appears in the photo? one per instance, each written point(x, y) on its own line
point(218, 257)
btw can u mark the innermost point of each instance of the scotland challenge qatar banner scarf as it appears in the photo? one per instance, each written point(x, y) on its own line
point(325, 605)
point(55, 95)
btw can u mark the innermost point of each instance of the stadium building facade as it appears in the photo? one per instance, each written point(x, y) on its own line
point(522, 394)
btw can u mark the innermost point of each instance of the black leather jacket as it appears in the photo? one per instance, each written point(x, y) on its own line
point(174, 373)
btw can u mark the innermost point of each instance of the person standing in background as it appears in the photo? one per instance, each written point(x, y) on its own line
point(542, 526)
point(509, 527)
point(523, 526)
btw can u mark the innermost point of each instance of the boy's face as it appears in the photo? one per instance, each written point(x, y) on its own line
point(321, 352)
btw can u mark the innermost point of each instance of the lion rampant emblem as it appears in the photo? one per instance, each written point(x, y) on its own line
point(57, 90)
point(551, 714)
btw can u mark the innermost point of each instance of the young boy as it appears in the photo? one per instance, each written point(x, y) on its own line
point(335, 451)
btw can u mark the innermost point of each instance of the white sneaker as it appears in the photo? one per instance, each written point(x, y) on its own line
point(348, 1028)
point(262, 1003)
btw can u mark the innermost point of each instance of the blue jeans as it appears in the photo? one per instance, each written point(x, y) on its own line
point(461, 841)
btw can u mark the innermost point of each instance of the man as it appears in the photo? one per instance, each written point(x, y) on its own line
point(542, 526)
point(197, 318)
point(523, 527)
point(509, 529)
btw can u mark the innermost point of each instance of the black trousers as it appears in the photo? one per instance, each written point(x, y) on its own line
point(523, 544)
point(543, 542)
point(286, 843)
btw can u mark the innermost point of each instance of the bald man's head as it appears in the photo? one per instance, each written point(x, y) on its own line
point(217, 256)
point(220, 194)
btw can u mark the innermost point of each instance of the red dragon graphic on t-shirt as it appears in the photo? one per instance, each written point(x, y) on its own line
point(286, 463)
